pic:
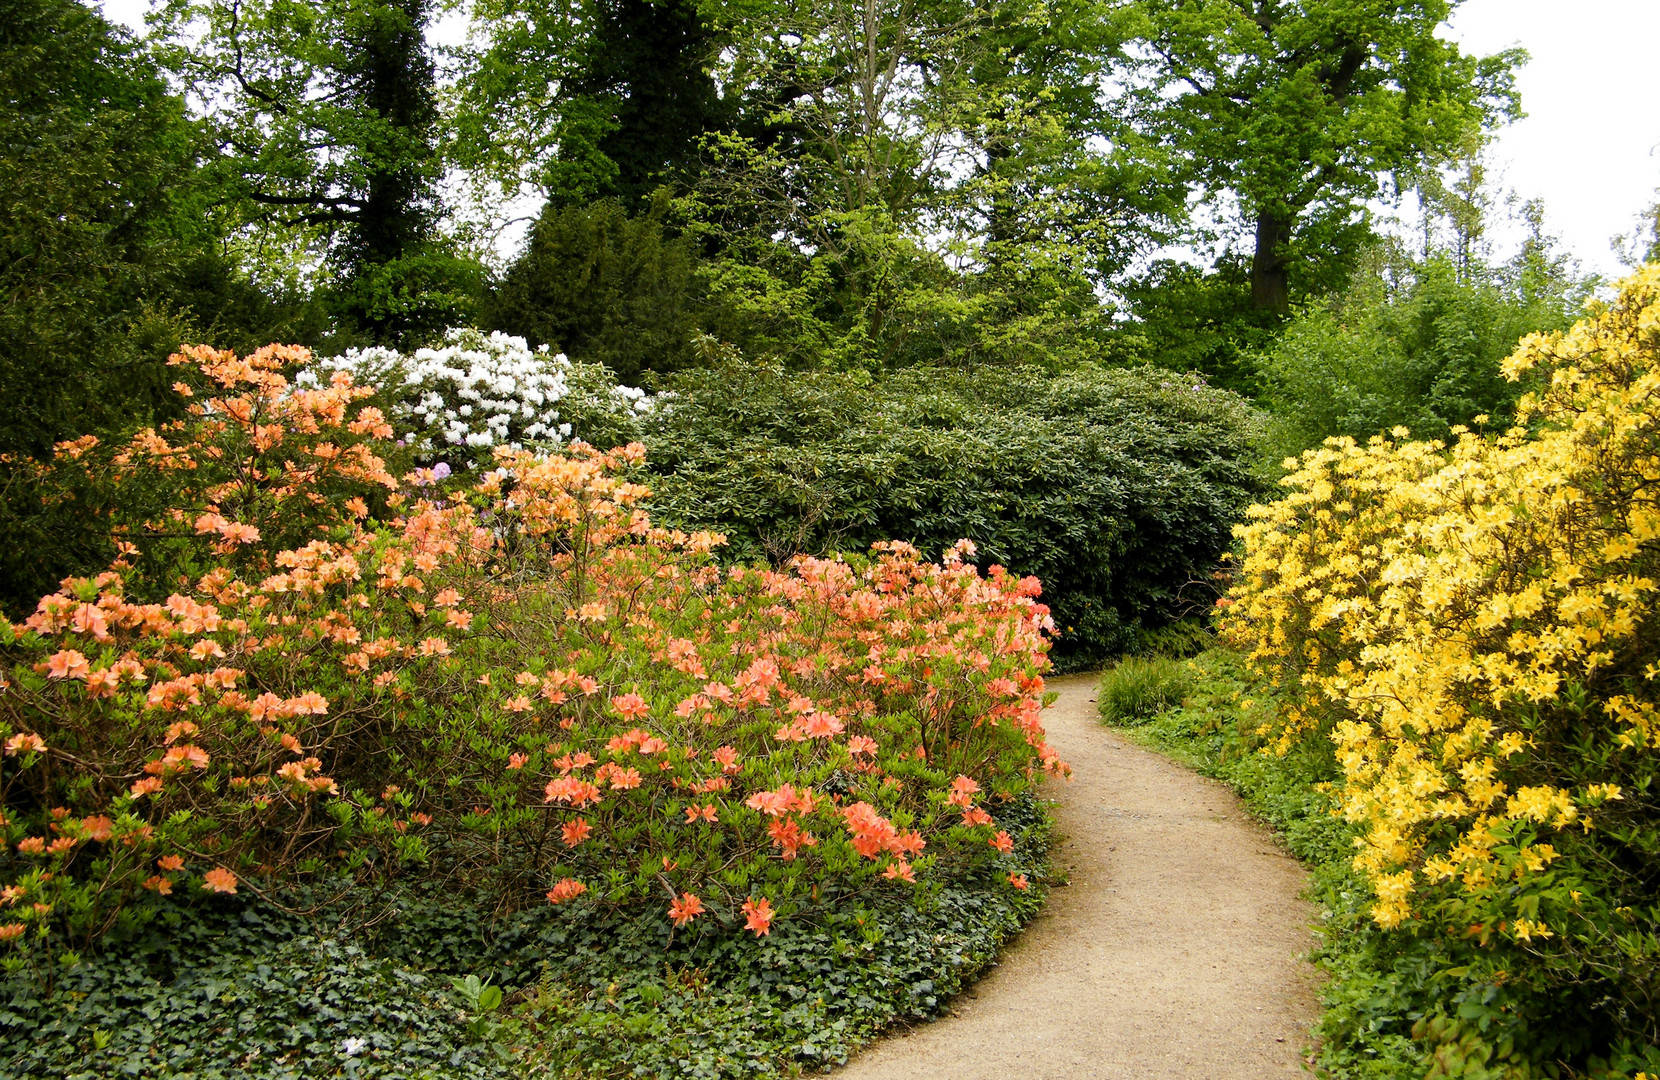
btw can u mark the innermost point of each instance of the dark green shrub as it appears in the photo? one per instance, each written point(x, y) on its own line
point(604, 288)
point(1422, 352)
point(1118, 489)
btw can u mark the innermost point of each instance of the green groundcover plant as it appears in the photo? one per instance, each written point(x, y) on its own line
point(510, 691)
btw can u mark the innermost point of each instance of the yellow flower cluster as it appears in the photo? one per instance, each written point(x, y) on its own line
point(1454, 618)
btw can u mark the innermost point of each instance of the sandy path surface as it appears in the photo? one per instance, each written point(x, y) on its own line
point(1174, 952)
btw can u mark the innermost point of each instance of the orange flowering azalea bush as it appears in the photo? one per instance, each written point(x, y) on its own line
point(1473, 630)
point(303, 666)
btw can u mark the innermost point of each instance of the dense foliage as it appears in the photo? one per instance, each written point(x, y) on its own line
point(108, 237)
point(1417, 346)
point(603, 287)
point(1304, 110)
point(1472, 628)
point(327, 118)
point(1116, 489)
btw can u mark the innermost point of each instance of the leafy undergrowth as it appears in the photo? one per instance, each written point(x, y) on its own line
point(232, 986)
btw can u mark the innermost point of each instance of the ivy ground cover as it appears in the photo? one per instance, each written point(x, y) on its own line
point(408, 728)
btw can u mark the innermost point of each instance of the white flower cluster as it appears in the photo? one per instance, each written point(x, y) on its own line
point(480, 391)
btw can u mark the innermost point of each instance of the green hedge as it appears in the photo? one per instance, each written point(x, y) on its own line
point(1117, 488)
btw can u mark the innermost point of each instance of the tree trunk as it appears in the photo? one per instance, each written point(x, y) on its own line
point(1271, 266)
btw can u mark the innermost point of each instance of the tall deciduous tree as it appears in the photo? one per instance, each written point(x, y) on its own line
point(1302, 109)
point(328, 110)
point(592, 99)
point(934, 180)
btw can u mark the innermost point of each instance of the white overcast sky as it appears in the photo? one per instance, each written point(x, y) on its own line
point(1590, 144)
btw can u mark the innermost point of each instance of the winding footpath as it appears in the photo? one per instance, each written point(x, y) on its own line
point(1174, 952)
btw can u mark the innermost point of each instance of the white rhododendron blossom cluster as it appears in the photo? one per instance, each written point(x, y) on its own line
point(479, 391)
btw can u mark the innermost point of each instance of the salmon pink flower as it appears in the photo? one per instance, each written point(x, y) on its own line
point(568, 789)
point(773, 803)
point(12, 931)
point(1002, 842)
point(692, 704)
point(624, 779)
point(574, 832)
point(204, 650)
point(219, 880)
point(630, 706)
point(98, 828)
point(101, 684)
point(25, 744)
point(90, 621)
point(758, 916)
point(626, 741)
point(68, 664)
point(567, 889)
point(861, 744)
point(900, 870)
point(976, 816)
point(824, 726)
point(963, 791)
point(685, 908)
point(790, 837)
point(159, 885)
point(1019, 881)
point(517, 761)
point(171, 862)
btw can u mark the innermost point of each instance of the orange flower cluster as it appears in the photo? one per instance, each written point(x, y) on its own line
point(516, 655)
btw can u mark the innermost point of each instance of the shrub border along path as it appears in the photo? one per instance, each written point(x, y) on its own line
point(1176, 950)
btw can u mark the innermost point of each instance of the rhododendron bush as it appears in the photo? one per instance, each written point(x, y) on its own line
point(1473, 627)
point(303, 665)
point(478, 391)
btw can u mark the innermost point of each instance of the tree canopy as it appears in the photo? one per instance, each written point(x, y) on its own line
point(843, 185)
point(1302, 110)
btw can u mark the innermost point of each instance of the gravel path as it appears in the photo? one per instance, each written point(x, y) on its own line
point(1174, 951)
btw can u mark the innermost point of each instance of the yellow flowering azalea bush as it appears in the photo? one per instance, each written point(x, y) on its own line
point(1473, 626)
point(302, 667)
